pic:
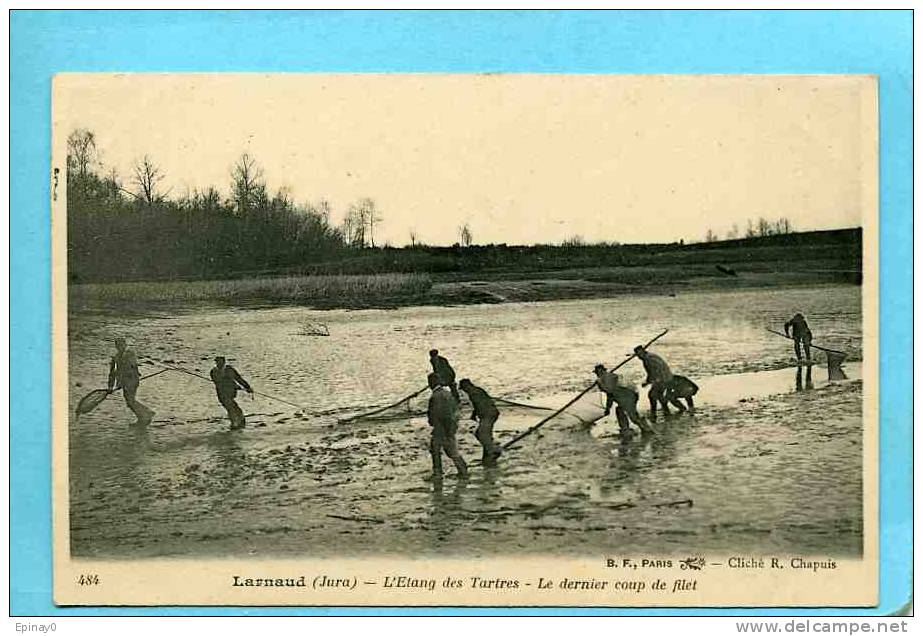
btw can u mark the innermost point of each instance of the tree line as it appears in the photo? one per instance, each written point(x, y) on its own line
point(136, 230)
point(759, 228)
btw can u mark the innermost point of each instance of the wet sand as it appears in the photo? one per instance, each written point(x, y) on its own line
point(760, 467)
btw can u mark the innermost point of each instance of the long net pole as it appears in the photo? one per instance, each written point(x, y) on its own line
point(545, 420)
point(779, 333)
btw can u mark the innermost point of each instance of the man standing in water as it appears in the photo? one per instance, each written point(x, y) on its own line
point(626, 400)
point(227, 380)
point(442, 414)
point(682, 387)
point(659, 377)
point(801, 334)
point(485, 414)
point(444, 370)
point(123, 370)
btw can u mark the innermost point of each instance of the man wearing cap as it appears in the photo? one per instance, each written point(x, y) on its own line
point(442, 414)
point(444, 370)
point(123, 372)
point(801, 334)
point(227, 380)
point(659, 377)
point(485, 413)
point(624, 397)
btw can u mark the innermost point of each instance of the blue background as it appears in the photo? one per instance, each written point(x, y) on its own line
point(44, 43)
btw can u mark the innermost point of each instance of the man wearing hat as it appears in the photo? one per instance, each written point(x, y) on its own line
point(442, 415)
point(227, 380)
point(624, 397)
point(659, 377)
point(444, 370)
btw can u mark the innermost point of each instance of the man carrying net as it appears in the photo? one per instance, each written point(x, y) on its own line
point(123, 373)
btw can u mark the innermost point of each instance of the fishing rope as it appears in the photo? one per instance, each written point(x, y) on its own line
point(209, 380)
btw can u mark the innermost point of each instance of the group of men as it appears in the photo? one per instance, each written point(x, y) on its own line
point(442, 412)
point(124, 375)
point(666, 388)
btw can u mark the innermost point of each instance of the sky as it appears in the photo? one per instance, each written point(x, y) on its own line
point(521, 159)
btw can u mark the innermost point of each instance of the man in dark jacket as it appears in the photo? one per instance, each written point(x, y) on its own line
point(485, 413)
point(442, 414)
point(624, 397)
point(682, 387)
point(444, 370)
point(801, 334)
point(227, 380)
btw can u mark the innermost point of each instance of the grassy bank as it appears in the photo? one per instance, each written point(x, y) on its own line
point(322, 291)
point(499, 273)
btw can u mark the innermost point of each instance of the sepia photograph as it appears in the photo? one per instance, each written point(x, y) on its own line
point(366, 334)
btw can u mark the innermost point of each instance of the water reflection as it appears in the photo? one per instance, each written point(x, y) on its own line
point(445, 511)
point(229, 461)
point(805, 382)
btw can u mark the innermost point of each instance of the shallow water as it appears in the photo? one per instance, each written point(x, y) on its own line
point(766, 468)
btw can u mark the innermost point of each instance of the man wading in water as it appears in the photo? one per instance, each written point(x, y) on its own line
point(442, 414)
point(626, 400)
point(485, 414)
point(227, 380)
point(444, 370)
point(124, 369)
point(659, 377)
point(682, 387)
point(801, 334)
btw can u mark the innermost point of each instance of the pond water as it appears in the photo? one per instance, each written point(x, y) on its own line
point(761, 466)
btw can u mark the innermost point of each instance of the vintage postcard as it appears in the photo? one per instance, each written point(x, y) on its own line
point(465, 340)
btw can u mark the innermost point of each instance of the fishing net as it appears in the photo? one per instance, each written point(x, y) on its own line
point(412, 405)
point(834, 368)
point(90, 401)
point(415, 405)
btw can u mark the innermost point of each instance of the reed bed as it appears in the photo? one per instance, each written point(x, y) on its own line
point(342, 290)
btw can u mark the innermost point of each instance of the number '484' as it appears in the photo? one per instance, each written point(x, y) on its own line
point(88, 579)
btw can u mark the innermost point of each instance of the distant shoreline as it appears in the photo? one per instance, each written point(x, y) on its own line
point(397, 291)
point(484, 274)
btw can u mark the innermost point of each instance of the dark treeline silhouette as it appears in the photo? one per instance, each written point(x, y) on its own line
point(135, 231)
point(840, 248)
point(759, 228)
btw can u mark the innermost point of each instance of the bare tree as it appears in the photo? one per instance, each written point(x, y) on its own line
point(81, 152)
point(710, 236)
point(358, 225)
point(783, 226)
point(353, 226)
point(112, 184)
point(147, 176)
point(324, 209)
point(734, 232)
point(247, 183)
point(370, 216)
point(763, 227)
point(413, 238)
point(465, 236)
